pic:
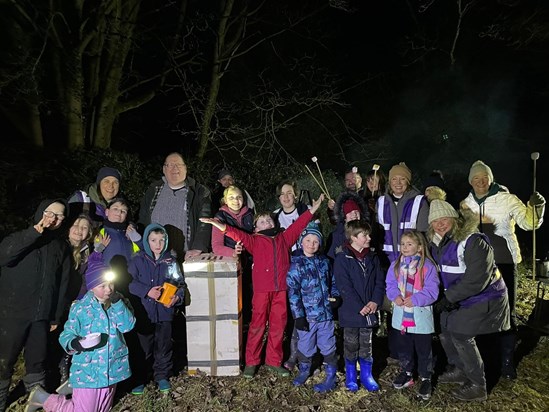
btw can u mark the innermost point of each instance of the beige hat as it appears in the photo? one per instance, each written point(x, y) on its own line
point(400, 170)
point(440, 208)
point(480, 167)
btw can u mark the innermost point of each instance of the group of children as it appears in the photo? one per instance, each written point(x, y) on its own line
point(354, 285)
point(93, 335)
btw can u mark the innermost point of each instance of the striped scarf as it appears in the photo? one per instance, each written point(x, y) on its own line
point(406, 282)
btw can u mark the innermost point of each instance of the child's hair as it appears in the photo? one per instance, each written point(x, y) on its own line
point(423, 251)
point(356, 227)
point(157, 231)
point(81, 258)
point(292, 183)
point(123, 202)
point(261, 214)
point(226, 192)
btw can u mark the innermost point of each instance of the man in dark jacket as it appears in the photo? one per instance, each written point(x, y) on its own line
point(177, 202)
point(35, 267)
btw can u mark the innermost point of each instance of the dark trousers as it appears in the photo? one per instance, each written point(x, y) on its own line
point(412, 344)
point(357, 343)
point(16, 334)
point(510, 277)
point(157, 349)
point(508, 339)
point(461, 351)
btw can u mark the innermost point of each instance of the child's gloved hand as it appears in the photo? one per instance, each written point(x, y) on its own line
point(77, 346)
point(302, 324)
point(335, 301)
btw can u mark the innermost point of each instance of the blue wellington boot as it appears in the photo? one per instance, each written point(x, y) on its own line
point(330, 381)
point(366, 378)
point(350, 375)
point(304, 372)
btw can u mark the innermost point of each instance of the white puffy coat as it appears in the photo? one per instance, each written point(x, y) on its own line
point(505, 210)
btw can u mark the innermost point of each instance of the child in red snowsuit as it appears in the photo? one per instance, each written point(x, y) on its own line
point(271, 253)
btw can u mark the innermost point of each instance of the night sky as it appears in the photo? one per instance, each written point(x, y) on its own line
point(402, 98)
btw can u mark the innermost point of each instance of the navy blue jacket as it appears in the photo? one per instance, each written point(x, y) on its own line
point(147, 272)
point(359, 282)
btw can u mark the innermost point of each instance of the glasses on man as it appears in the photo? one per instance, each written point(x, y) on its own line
point(49, 214)
point(178, 166)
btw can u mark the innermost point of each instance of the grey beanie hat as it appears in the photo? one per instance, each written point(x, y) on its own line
point(440, 208)
point(480, 167)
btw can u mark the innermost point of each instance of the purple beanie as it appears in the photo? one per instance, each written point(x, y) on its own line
point(106, 172)
point(95, 271)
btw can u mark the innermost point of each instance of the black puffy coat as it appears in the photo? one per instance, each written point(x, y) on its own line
point(34, 272)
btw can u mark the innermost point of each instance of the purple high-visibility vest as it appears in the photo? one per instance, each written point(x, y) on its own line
point(452, 270)
point(408, 221)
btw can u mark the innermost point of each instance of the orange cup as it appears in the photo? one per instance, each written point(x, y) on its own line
point(168, 291)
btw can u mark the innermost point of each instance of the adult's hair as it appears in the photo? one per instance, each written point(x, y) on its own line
point(382, 179)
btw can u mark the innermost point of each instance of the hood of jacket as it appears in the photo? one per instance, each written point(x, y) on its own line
point(38, 214)
point(338, 208)
point(148, 230)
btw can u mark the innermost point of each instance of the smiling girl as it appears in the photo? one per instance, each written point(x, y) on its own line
point(412, 285)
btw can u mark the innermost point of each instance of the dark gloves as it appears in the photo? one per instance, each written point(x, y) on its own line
point(335, 301)
point(302, 324)
point(444, 305)
point(115, 297)
point(536, 199)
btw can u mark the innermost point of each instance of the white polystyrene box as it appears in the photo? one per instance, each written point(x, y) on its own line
point(214, 323)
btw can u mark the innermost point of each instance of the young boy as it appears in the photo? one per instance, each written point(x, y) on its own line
point(360, 280)
point(271, 253)
point(149, 269)
point(313, 295)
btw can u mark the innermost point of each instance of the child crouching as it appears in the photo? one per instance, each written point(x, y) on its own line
point(360, 281)
point(94, 334)
point(312, 293)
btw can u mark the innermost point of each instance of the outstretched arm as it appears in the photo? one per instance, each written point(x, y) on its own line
point(221, 226)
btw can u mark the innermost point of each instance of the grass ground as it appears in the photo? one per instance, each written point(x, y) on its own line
point(267, 392)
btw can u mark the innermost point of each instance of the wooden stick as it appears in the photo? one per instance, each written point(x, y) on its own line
point(317, 182)
point(322, 177)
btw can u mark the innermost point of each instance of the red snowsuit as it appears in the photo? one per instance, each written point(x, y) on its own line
point(271, 264)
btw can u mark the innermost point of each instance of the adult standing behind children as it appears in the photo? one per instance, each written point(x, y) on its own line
point(402, 208)
point(177, 202)
point(474, 300)
point(35, 264)
point(94, 200)
point(497, 212)
point(271, 252)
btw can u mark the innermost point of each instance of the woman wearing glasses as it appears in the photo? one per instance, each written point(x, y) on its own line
point(35, 264)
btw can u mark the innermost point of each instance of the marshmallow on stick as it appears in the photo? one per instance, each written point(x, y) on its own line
point(315, 161)
point(375, 168)
point(323, 190)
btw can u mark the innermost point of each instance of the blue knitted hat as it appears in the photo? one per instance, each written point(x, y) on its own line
point(311, 229)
